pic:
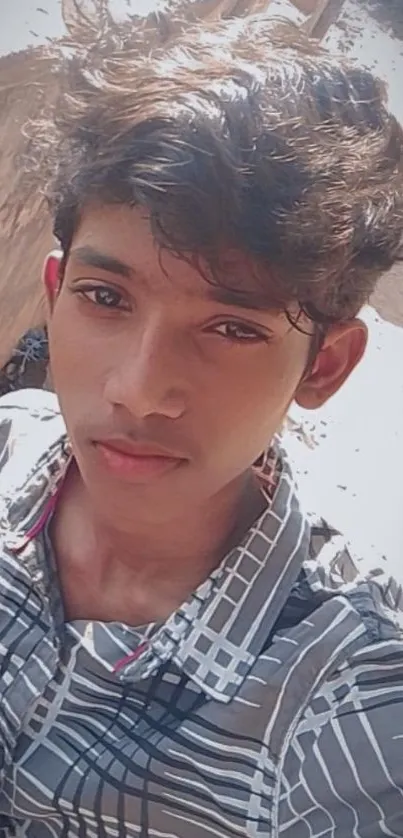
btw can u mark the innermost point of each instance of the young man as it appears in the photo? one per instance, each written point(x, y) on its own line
point(180, 655)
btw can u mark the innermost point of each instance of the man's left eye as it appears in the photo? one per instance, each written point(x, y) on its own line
point(240, 332)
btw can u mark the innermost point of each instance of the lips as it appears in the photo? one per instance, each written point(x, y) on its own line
point(138, 449)
point(137, 461)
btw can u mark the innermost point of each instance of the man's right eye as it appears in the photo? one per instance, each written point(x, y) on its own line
point(103, 296)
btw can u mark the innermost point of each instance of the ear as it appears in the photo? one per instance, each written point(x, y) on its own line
point(342, 350)
point(51, 276)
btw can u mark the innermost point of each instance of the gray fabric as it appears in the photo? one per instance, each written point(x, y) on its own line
point(270, 704)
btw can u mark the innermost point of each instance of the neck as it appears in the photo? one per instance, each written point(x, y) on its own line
point(196, 539)
point(142, 572)
point(198, 536)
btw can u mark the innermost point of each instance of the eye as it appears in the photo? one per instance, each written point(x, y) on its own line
point(104, 297)
point(239, 332)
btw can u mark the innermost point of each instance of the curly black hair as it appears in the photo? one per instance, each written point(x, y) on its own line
point(235, 135)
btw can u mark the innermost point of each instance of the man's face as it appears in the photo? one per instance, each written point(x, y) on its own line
point(169, 394)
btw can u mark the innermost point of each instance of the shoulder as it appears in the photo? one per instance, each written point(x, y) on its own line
point(26, 410)
point(342, 768)
point(30, 422)
point(28, 406)
point(335, 567)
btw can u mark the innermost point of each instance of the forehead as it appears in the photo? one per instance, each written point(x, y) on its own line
point(119, 239)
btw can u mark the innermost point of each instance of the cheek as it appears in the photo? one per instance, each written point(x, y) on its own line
point(74, 356)
point(249, 401)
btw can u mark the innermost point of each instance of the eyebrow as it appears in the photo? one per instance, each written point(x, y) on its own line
point(254, 300)
point(96, 259)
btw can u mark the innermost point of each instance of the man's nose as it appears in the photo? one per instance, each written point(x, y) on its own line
point(150, 377)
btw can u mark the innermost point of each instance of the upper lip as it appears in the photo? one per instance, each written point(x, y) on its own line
point(138, 449)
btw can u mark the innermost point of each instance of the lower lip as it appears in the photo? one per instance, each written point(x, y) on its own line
point(131, 467)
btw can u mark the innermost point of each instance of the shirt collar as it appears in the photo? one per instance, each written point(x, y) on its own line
point(216, 636)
